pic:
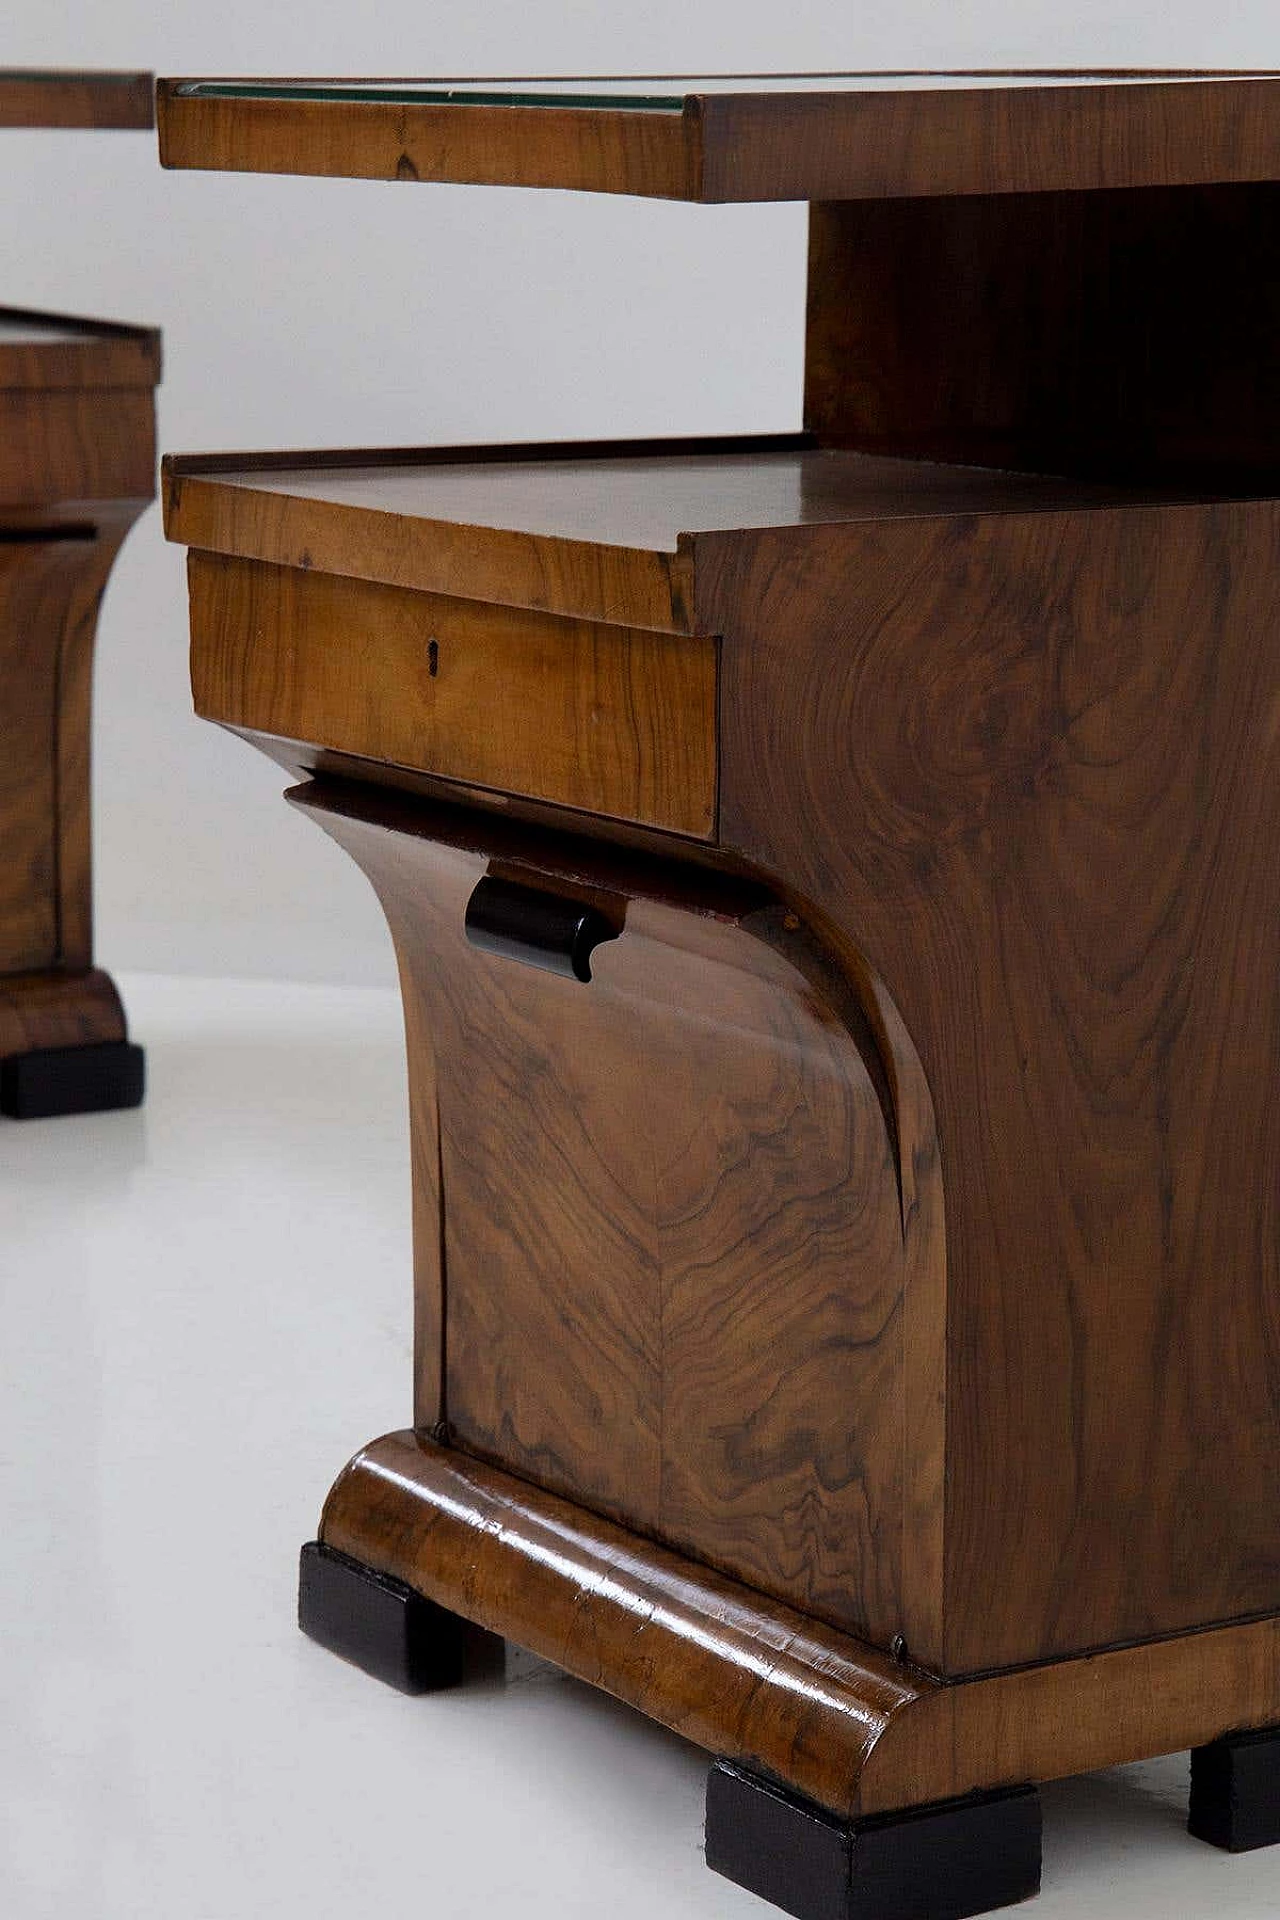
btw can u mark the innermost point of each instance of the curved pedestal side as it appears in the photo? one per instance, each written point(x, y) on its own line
point(77, 468)
point(677, 1217)
point(52, 578)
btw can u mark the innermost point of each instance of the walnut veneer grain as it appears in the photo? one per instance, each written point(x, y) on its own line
point(77, 456)
point(865, 138)
point(851, 1319)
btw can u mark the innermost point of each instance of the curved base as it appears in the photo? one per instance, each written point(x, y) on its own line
point(839, 1723)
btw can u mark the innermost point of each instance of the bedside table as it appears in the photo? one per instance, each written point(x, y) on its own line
point(77, 468)
point(831, 878)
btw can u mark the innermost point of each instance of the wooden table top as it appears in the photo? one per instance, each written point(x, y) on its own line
point(742, 138)
point(33, 98)
point(604, 531)
point(44, 350)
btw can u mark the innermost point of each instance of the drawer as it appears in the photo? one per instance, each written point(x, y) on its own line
point(611, 720)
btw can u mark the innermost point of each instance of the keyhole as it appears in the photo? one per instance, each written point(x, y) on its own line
point(433, 657)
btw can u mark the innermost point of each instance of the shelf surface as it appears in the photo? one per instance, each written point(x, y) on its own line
point(649, 501)
point(604, 532)
point(742, 137)
point(36, 98)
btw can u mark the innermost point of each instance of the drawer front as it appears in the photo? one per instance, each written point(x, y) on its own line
point(611, 720)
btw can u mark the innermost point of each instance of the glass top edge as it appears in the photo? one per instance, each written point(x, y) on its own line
point(667, 93)
point(72, 76)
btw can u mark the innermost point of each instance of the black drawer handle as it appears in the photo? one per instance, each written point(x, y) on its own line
point(542, 929)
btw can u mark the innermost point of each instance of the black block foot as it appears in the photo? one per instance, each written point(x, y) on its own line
point(1235, 1791)
point(383, 1626)
point(931, 1863)
point(62, 1080)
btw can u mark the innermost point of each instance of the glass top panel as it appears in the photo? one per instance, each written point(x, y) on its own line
point(666, 93)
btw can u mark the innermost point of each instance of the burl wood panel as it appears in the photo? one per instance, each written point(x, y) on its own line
point(610, 720)
point(751, 1681)
point(1031, 766)
point(1115, 335)
point(662, 1248)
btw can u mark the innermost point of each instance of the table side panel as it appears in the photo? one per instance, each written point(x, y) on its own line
point(76, 444)
point(1119, 337)
point(30, 604)
point(1030, 765)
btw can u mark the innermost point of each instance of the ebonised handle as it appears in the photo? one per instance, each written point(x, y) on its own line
point(543, 929)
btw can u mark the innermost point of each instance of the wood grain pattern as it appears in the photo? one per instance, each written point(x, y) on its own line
point(45, 350)
point(886, 1241)
point(1028, 764)
point(669, 1209)
point(1066, 136)
point(51, 99)
point(750, 1681)
point(609, 719)
point(881, 142)
point(742, 1677)
point(599, 530)
point(76, 445)
point(50, 591)
point(602, 151)
point(1119, 336)
point(29, 574)
point(1044, 635)
point(77, 438)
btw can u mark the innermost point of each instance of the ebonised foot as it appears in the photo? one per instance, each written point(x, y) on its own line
point(62, 1080)
point(933, 1863)
point(386, 1628)
point(1235, 1791)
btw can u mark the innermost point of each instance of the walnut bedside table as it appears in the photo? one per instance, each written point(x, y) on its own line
point(835, 888)
point(77, 468)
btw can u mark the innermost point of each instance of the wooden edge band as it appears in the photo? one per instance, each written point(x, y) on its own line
point(736, 1674)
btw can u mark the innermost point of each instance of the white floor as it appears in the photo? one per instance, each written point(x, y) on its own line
point(206, 1310)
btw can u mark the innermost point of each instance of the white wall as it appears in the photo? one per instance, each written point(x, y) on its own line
point(310, 313)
